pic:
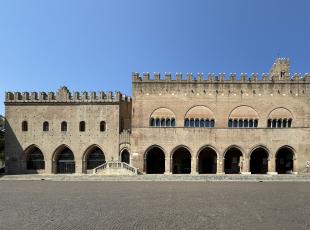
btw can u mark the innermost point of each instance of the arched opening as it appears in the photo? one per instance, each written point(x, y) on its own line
point(45, 126)
point(35, 159)
point(95, 157)
point(259, 161)
point(155, 161)
point(24, 126)
point(82, 126)
point(232, 161)
point(207, 161)
point(65, 162)
point(125, 156)
point(102, 126)
point(284, 161)
point(181, 161)
point(64, 126)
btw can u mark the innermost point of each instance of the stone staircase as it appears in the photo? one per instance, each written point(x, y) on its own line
point(181, 178)
point(115, 168)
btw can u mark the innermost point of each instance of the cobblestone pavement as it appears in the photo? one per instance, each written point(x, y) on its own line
point(154, 205)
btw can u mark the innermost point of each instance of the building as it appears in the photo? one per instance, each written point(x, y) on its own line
point(171, 125)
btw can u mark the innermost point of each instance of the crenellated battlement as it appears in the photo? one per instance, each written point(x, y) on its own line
point(220, 78)
point(63, 95)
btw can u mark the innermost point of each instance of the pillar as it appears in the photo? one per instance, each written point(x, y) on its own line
point(78, 166)
point(168, 165)
point(194, 166)
point(272, 166)
point(220, 166)
point(245, 165)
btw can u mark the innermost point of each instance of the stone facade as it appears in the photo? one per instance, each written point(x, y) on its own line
point(171, 124)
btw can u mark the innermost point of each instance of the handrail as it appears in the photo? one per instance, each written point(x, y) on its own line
point(115, 165)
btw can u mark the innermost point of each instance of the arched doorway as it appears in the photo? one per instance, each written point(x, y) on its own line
point(284, 161)
point(207, 161)
point(232, 161)
point(65, 161)
point(259, 161)
point(95, 157)
point(35, 159)
point(181, 161)
point(155, 161)
point(125, 156)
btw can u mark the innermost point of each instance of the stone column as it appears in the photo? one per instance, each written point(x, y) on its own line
point(295, 166)
point(78, 166)
point(194, 166)
point(271, 166)
point(168, 165)
point(220, 166)
point(48, 166)
point(245, 164)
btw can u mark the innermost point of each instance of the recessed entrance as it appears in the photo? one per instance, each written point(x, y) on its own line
point(95, 158)
point(259, 161)
point(232, 161)
point(35, 159)
point(155, 161)
point(65, 162)
point(284, 161)
point(207, 161)
point(125, 157)
point(181, 161)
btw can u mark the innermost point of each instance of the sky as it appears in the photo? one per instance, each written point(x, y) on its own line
point(93, 45)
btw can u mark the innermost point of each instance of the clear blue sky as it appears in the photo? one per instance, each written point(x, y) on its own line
point(95, 45)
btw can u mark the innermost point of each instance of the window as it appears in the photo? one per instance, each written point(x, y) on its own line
point(152, 122)
point(246, 123)
point(45, 126)
point(102, 126)
point(269, 123)
point(289, 123)
point(82, 126)
point(168, 122)
point(230, 123)
point(242, 123)
point(64, 126)
point(212, 123)
point(197, 123)
point(24, 126)
point(192, 123)
point(163, 122)
point(255, 123)
point(202, 123)
point(186, 123)
point(172, 122)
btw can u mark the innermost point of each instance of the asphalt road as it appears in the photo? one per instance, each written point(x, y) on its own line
point(154, 205)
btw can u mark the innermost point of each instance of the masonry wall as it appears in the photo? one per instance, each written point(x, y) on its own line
point(221, 97)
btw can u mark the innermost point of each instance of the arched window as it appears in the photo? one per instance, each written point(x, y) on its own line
point(207, 123)
point(212, 123)
point(235, 124)
point(197, 123)
point(24, 126)
point(255, 123)
point(240, 123)
point(64, 126)
point(102, 126)
point(284, 123)
point(246, 123)
point(45, 126)
point(157, 122)
point(202, 123)
point(82, 126)
point(289, 123)
point(279, 125)
point(172, 122)
point(186, 123)
point(163, 122)
point(152, 122)
point(230, 123)
point(251, 123)
point(274, 123)
point(168, 122)
point(269, 123)
point(192, 123)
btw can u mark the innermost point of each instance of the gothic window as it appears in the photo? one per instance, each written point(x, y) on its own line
point(64, 126)
point(82, 126)
point(24, 126)
point(102, 126)
point(45, 126)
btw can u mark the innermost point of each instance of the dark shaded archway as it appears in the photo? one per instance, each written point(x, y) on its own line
point(181, 161)
point(284, 161)
point(155, 161)
point(259, 161)
point(35, 159)
point(125, 156)
point(232, 161)
point(65, 162)
point(207, 161)
point(95, 157)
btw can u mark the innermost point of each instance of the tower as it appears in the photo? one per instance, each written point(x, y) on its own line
point(280, 68)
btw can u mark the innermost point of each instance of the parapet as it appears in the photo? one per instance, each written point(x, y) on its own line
point(63, 95)
point(219, 78)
